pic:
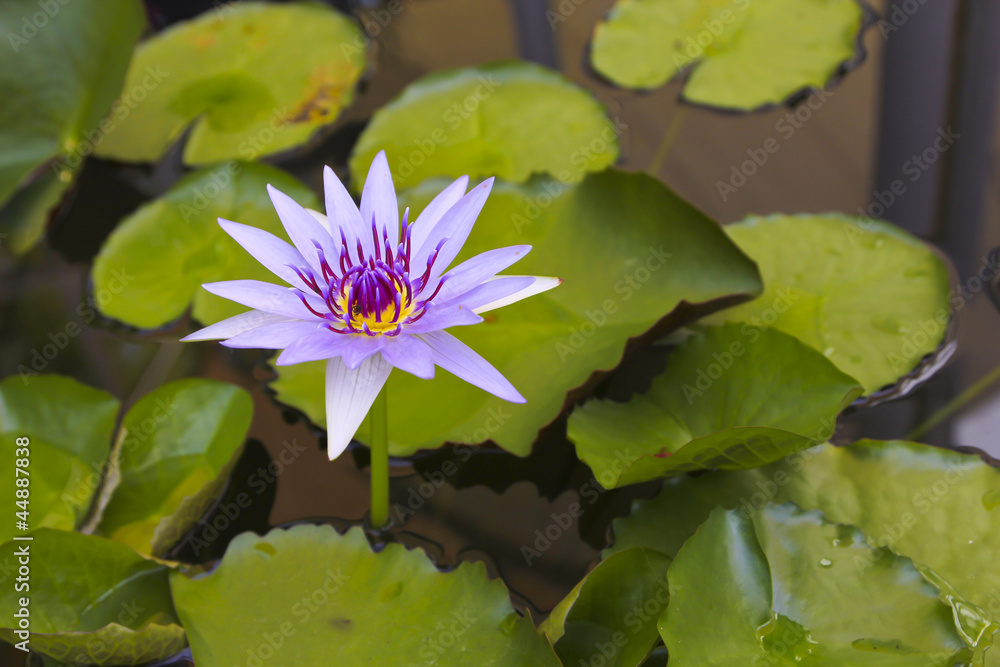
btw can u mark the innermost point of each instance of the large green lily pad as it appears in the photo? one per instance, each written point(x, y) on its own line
point(632, 254)
point(743, 54)
point(170, 458)
point(92, 601)
point(68, 427)
point(869, 296)
point(938, 507)
point(781, 587)
point(60, 69)
point(176, 447)
point(298, 596)
point(507, 119)
point(253, 78)
point(734, 397)
point(154, 263)
point(612, 612)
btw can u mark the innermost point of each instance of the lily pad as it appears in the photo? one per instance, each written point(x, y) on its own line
point(734, 397)
point(155, 261)
point(612, 613)
point(60, 74)
point(68, 427)
point(251, 78)
point(938, 507)
point(177, 445)
point(743, 54)
point(634, 257)
point(293, 596)
point(871, 297)
point(101, 603)
point(781, 587)
point(507, 119)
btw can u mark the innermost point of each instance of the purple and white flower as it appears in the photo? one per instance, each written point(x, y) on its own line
point(368, 297)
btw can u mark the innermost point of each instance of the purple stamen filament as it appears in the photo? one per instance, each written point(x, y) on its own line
point(373, 295)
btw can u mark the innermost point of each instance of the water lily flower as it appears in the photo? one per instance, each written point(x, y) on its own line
point(369, 297)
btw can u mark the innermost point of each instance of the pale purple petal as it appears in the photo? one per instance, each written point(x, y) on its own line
point(313, 346)
point(442, 317)
point(349, 395)
point(235, 325)
point(461, 360)
point(303, 229)
point(359, 347)
point(273, 336)
point(268, 297)
point(538, 285)
point(378, 199)
point(475, 271)
point(453, 229)
point(490, 291)
point(438, 207)
point(410, 354)
point(343, 214)
point(274, 254)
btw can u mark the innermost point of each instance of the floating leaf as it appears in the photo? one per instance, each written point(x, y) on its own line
point(612, 613)
point(869, 296)
point(507, 119)
point(634, 257)
point(68, 427)
point(743, 54)
point(177, 444)
point(155, 261)
point(101, 603)
point(295, 595)
point(60, 75)
point(253, 79)
point(782, 587)
point(938, 507)
point(735, 397)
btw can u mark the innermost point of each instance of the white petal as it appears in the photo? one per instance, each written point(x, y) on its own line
point(541, 284)
point(235, 325)
point(462, 361)
point(349, 395)
point(343, 214)
point(438, 207)
point(378, 199)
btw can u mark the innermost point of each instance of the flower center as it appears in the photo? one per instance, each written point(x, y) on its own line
point(370, 294)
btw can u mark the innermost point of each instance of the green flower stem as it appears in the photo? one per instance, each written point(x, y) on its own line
point(956, 404)
point(379, 421)
point(669, 136)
